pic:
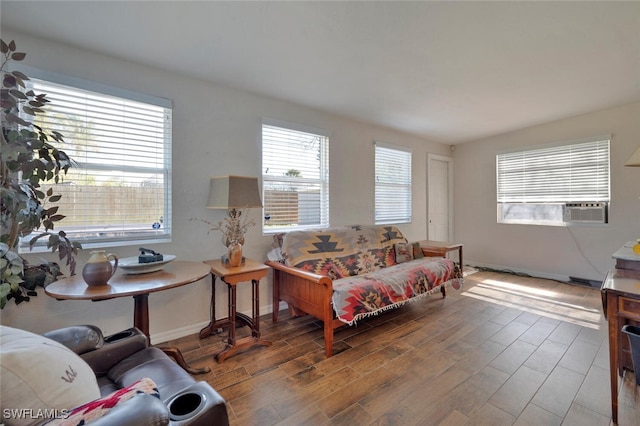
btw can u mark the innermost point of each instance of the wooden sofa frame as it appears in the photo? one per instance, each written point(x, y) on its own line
point(308, 293)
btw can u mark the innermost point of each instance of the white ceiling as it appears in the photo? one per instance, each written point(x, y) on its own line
point(448, 71)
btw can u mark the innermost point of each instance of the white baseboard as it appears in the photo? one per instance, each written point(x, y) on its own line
point(539, 274)
point(195, 328)
point(176, 333)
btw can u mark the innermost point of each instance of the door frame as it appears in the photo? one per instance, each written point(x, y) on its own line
point(449, 161)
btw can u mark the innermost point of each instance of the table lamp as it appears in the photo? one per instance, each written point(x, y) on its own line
point(234, 193)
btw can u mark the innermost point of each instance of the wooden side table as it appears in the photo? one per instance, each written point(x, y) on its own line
point(441, 248)
point(249, 271)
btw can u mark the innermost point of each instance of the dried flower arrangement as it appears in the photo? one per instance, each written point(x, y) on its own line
point(232, 227)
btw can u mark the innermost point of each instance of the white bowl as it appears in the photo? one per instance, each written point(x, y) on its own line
point(131, 266)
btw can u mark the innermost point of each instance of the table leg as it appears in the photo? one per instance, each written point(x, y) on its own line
point(612, 301)
point(256, 316)
point(232, 315)
point(176, 354)
point(236, 345)
point(276, 296)
point(231, 347)
point(255, 332)
point(212, 327)
point(461, 261)
point(141, 313)
point(141, 321)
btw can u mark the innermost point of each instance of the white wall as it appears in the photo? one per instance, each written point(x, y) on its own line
point(216, 131)
point(559, 252)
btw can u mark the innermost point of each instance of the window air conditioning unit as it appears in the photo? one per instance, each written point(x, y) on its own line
point(596, 212)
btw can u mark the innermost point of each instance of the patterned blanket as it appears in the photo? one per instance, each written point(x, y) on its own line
point(373, 268)
point(368, 294)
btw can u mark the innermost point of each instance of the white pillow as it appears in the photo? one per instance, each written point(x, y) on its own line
point(40, 375)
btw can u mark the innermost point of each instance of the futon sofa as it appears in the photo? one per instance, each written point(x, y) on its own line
point(77, 376)
point(341, 275)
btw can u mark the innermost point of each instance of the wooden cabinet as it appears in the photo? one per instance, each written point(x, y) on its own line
point(621, 304)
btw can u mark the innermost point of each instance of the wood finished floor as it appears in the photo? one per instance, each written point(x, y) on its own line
point(503, 350)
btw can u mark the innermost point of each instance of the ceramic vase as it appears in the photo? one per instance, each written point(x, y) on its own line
point(235, 254)
point(99, 268)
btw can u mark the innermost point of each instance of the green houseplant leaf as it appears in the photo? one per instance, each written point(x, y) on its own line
point(28, 158)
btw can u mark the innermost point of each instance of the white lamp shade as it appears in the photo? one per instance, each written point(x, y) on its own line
point(234, 192)
point(634, 160)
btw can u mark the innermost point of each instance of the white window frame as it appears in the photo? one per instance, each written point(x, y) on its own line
point(393, 184)
point(280, 154)
point(534, 184)
point(112, 234)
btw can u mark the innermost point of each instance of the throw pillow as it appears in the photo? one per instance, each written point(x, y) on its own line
point(275, 254)
point(40, 375)
point(367, 262)
point(417, 251)
point(404, 252)
point(99, 407)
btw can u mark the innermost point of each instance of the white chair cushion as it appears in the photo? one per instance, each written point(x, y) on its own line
point(40, 375)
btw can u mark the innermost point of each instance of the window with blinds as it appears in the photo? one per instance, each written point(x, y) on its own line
point(295, 180)
point(119, 191)
point(533, 186)
point(392, 184)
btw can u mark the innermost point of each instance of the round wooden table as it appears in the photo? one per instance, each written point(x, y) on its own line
point(174, 274)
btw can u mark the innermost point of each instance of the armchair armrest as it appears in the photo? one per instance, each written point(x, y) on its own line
point(305, 293)
point(137, 404)
point(142, 409)
point(78, 338)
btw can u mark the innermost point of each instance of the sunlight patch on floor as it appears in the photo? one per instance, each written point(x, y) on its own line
point(542, 302)
point(520, 288)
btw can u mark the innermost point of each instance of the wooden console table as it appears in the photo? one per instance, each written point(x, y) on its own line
point(621, 305)
point(249, 271)
point(174, 274)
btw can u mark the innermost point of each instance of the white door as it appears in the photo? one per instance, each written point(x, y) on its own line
point(440, 198)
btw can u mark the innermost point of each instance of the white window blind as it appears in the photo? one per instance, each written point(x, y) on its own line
point(533, 186)
point(295, 178)
point(119, 192)
point(392, 184)
point(567, 173)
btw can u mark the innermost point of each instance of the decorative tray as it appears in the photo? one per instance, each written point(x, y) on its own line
point(131, 265)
